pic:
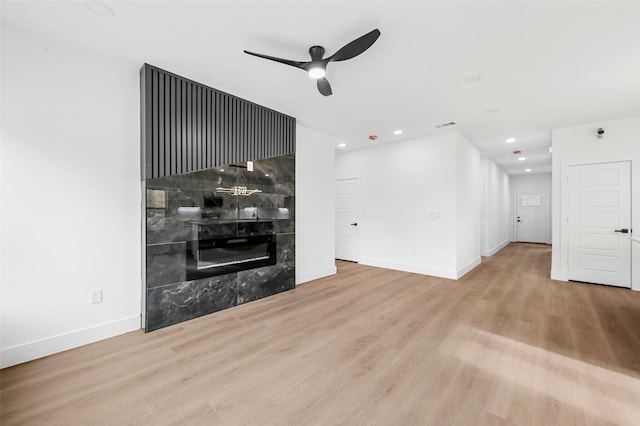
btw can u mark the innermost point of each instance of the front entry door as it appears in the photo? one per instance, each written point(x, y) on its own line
point(600, 223)
point(532, 216)
point(347, 219)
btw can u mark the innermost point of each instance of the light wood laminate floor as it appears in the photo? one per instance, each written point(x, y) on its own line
point(503, 345)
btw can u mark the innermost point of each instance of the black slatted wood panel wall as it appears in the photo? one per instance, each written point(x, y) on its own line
point(187, 126)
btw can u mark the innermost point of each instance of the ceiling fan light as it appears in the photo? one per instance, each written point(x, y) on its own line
point(316, 72)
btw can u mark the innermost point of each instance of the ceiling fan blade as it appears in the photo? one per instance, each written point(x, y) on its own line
point(356, 47)
point(301, 65)
point(324, 87)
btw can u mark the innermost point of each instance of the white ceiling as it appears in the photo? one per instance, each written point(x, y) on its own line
point(498, 69)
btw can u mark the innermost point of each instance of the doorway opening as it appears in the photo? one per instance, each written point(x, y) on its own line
point(346, 215)
point(532, 221)
point(599, 223)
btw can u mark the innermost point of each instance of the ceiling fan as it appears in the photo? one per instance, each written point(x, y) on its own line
point(317, 66)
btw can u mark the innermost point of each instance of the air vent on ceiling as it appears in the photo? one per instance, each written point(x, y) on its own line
point(451, 123)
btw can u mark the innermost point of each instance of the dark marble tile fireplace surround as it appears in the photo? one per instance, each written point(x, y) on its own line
point(218, 177)
point(198, 239)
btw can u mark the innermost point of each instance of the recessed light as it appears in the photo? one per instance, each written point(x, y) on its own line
point(222, 170)
point(266, 174)
point(522, 158)
point(510, 140)
point(100, 9)
point(342, 145)
point(491, 111)
point(527, 170)
point(397, 132)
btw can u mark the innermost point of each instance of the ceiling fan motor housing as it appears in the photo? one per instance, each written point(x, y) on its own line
point(316, 52)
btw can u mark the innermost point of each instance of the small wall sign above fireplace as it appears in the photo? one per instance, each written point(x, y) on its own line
point(239, 190)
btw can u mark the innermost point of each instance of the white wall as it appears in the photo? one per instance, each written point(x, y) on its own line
point(70, 197)
point(534, 182)
point(468, 206)
point(315, 218)
point(531, 182)
point(496, 222)
point(579, 145)
point(409, 217)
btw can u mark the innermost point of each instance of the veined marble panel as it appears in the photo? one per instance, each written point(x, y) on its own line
point(286, 248)
point(257, 283)
point(183, 301)
point(166, 264)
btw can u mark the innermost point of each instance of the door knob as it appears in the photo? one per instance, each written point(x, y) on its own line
point(623, 230)
point(354, 224)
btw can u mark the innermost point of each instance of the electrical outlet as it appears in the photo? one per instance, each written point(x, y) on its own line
point(95, 296)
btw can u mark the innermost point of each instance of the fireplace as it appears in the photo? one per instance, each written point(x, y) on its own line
point(208, 250)
point(217, 256)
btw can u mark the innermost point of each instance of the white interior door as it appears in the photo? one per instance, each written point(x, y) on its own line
point(600, 223)
point(347, 219)
point(532, 216)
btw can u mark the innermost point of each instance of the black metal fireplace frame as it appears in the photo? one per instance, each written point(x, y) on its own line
point(195, 250)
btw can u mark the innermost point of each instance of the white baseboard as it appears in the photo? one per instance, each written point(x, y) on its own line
point(406, 267)
point(303, 277)
point(468, 267)
point(558, 276)
point(494, 250)
point(62, 342)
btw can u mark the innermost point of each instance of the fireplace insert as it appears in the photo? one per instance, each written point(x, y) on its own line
point(217, 256)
